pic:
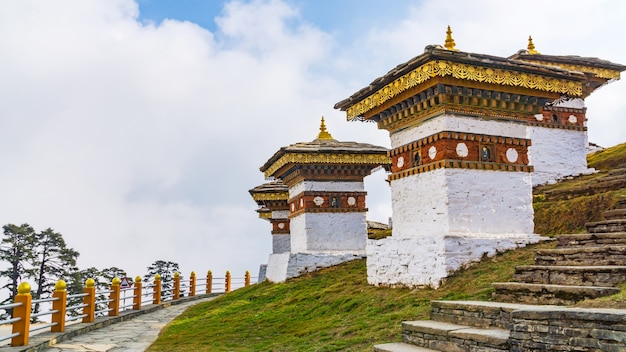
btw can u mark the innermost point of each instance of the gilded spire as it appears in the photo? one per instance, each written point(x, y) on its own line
point(449, 43)
point(531, 46)
point(324, 135)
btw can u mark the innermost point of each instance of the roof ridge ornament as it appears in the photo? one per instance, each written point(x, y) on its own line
point(449, 43)
point(324, 135)
point(531, 47)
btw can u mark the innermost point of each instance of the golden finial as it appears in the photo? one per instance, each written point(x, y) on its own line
point(450, 44)
point(531, 46)
point(324, 135)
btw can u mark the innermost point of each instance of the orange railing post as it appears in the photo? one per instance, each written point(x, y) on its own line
point(59, 306)
point(114, 297)
point(137, 293)
point(90, 300)
point(23, 312)
point(192, 284)
point(247, 279)
point(176, 292)
point(227, 281)
point(156, 296)
point(209, 281)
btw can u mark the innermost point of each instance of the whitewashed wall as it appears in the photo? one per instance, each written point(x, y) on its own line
point(459, 124)
point(328, 231)
point(557, 153)
point(281, 243)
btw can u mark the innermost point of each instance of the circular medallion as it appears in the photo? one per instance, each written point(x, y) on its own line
point(318, 201)
point(572, 119)
point(351, 201)
point(281, 225)
point(432, 152)
point(511, 155)
point(461, 150)
point(400, 162)
point(539, 117)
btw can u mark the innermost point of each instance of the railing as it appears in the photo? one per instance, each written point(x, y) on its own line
point(60, 313)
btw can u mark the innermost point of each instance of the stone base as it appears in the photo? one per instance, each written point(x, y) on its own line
point(262, 272)
point(426, 261)
point(285, 266)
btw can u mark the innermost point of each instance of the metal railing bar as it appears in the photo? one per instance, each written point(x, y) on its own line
point(76, 317)
point(77, 295)
point(45, 326)
point(77, 306)
point(42, 300)
point(9, 336)
point(10, 305)
point(10, 321)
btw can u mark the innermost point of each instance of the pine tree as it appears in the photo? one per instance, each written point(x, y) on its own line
point(52, 261)
point(166, 269)
point(16, 249)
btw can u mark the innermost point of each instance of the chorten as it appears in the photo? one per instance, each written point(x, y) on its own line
point(326, 201)
point(462, 128)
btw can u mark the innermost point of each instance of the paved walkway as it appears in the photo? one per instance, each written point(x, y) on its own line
point(134, 333)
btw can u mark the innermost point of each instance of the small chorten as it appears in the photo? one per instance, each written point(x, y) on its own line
point(531, 47)
point(449, 43)
point(326, 202)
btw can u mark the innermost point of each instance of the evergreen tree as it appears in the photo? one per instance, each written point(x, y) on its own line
point(166, 269)
point(16, 249)
point(52, 261)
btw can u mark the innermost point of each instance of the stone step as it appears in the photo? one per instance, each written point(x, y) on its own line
point(607, 226)
point(577, 256)
point(443, 336)
point(615, 214)
point(400, 347)
point(601, 275)
point(591, 239)
point(478, 314)
point(547, 294)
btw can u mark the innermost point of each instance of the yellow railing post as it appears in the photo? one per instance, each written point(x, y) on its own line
point(137, 293)
point(176, 291)
point(247, 280)
point(114, 297)
point(192, 284)
point(90, 300)
point(209, 281)
point(156, 296)
point(227, 281)
point(59, 306)
point(23, 312)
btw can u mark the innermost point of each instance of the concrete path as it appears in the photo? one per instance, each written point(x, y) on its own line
point(132, 331)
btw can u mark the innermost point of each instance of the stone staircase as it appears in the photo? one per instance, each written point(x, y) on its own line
point(582, 266)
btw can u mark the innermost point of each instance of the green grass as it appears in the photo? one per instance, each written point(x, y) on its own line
point(333, 309)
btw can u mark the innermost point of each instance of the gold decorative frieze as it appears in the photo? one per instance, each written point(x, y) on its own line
point(442, 68)
point(334, 158)
point(260, 197)
point(599, 72)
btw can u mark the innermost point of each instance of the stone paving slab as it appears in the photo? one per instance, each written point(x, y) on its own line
point(132, 331)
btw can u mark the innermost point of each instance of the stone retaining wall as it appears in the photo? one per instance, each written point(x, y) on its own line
point(568, 329)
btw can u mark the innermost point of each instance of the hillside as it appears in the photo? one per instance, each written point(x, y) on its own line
point(336, 310)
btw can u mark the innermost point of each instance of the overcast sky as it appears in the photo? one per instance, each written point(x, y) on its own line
point(136, 129)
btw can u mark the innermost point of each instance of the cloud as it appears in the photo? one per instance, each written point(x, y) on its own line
point(139, 140)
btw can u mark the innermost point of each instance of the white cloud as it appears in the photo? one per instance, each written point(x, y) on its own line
point(138, 139)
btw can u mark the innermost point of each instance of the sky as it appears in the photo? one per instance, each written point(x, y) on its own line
point(136, 128)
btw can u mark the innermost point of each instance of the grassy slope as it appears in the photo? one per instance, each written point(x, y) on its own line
point(336, 310)
point(331, 310)
point(570, 216)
